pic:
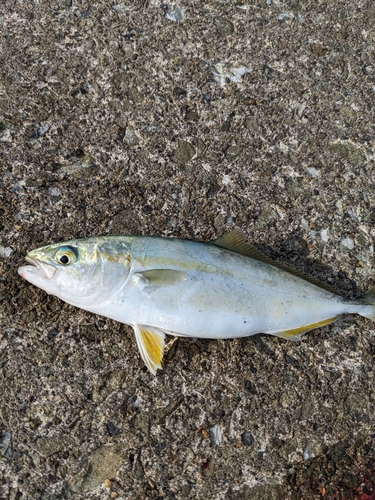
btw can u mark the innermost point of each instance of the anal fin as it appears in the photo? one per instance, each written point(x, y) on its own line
point(296, 333)
point(150, 343)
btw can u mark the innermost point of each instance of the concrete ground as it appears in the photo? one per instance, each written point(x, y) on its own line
point(187, 120)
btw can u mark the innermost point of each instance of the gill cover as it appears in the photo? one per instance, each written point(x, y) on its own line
point(115, 261)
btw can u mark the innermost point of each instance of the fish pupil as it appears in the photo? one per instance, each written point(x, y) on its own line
point(64, 259)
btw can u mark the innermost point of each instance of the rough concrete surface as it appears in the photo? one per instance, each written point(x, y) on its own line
point(186, 120)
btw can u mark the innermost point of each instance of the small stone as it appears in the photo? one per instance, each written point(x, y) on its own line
point(233, 152)
point(262, 490)
point(138, 470)
point(184, 152)
point(318, 50)
point(112, 429)
point(308, 407)
point(215, 433)
point(134, 95)
point(284, 15)
point(52, 333)
point(223, 26)
point(205, 434)
point(290, 359)
point(288, 398)
point(161, 413)
point(141, 422)
point(185, 490)
point(47, 446)
point(353, 153)
point(54, 192)
point(347, 113)
point(314, 173)
point(307, 452)
point(84, 168)
point(41, 131)
point(350, 480)
point(250, 387)
point(107, 483)
point(324, 235)
point(137, 403)
point(347, 243)
point(177, 15)
point(247, 438)
point(222, 73)
point(101, 464)
point(107, 384)
point(337, 451)
point(130, 137)
point(355, 404)
point(5, 252)
point(6, 445)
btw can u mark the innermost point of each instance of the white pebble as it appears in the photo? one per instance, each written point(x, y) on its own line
point(53, 191)
point(225, 180)
point(284, 15)
point(348, 243)
point(177, 15)
point(5, 252)
point(307, 452)
point(137, 403)
point(313, 172)
point(215, 433)
point(324, 234)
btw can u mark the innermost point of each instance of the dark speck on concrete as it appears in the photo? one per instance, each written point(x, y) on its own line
point(247, 438)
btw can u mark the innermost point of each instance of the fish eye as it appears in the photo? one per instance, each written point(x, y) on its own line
point(66, 255)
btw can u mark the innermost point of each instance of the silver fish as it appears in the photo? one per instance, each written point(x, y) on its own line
point(218, 290)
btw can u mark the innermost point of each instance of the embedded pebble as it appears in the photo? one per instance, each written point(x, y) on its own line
point(215, 434)
point(324, 235)
point(5, 252)
point(347, 243)
point(247, 438)
point(53, 192)
point(177, 15)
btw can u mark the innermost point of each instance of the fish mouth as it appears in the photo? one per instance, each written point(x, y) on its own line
point(37, 267)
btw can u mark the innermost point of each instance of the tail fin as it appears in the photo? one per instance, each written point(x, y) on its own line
point(368, 299)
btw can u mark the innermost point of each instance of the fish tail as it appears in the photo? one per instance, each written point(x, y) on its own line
point(368, 299)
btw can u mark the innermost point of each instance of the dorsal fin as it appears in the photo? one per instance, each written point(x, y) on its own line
point(236, 242)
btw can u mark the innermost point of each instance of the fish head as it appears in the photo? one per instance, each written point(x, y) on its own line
point(79, 271)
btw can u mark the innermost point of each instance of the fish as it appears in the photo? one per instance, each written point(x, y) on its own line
point(165, 286)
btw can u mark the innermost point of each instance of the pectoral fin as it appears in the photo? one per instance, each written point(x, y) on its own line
point(296, 333)
point(150, 343)
point(161, 277)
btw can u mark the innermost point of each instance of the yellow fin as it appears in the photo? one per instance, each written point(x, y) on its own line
point(295, 333)
point(161, 277)
point(150, 343)
point(236, 242)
